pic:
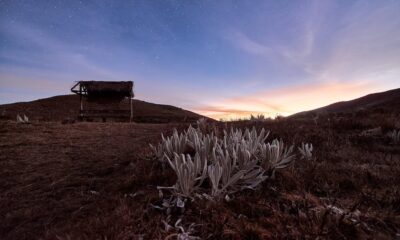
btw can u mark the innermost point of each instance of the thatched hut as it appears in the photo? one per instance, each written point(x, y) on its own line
point(103, 92)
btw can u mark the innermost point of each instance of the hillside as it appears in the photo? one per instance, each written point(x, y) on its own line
point(63, 107)
point(382, 101)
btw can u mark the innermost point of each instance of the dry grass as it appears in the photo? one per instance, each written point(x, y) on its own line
point(98, 181)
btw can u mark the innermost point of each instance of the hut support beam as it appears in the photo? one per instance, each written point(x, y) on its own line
point(131, 106)
point(81, 102)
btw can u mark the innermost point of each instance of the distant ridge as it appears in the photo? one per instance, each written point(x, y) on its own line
point(388, 100)
point(63, 107)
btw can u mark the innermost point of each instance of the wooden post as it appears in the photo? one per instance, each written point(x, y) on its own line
point(80, 97)
point(130, 102)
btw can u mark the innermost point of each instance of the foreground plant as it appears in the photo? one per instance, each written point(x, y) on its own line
point(190, 173)
point(181, 234)
point(235, 162)
point(202, 124)
point(170, 145)
point(230, 173)
point(276, 156)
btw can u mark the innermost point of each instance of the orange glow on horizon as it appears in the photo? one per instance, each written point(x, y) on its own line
point(286, 101)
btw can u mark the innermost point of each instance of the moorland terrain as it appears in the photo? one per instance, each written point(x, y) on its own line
point(93, 180)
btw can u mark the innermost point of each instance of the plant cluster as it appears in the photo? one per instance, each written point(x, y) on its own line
point(259, 118)
point(306, 150)
point(394, 136)
point(236, 161)
point(23, 119)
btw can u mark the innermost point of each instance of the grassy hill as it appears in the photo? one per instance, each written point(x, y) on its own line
point(388, 101)
point(63, 107)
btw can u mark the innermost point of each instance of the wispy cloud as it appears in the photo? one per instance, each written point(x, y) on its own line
point(48, 52)
point(245, 43)
point(367, 45)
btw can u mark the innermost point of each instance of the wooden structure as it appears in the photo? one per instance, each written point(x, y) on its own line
point(104, 92)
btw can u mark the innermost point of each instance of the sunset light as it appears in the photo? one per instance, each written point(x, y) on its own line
point(224, 59)
point(286, 101)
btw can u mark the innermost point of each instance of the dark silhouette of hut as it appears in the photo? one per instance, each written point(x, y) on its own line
point(103, 93)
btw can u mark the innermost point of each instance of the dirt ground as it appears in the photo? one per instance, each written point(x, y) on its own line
point(55, 176)
point(98, 181)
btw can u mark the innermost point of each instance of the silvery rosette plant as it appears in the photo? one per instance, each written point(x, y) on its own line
point(306, 151)
point(276, 156)
point(23, 119)
point(237, 161)
point(177, 143)
point(190, 173)
point(394, 136)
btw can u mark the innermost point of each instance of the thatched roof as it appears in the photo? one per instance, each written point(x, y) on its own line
point(101, 87)
point(104, 90)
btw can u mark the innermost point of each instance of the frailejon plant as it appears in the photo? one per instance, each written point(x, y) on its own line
point(23, 119)
point(234, 162)
point(306, 151)
point(276, 156)
point(190, 173)
point(170, 145)
point(227, 175)
point(394, 136)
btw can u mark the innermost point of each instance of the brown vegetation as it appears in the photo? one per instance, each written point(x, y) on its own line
point(98, 180)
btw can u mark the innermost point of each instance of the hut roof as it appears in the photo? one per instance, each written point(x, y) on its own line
point(103, 90)
point(105, 86)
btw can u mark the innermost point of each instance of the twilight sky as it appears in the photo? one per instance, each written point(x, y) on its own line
point(224, 59)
